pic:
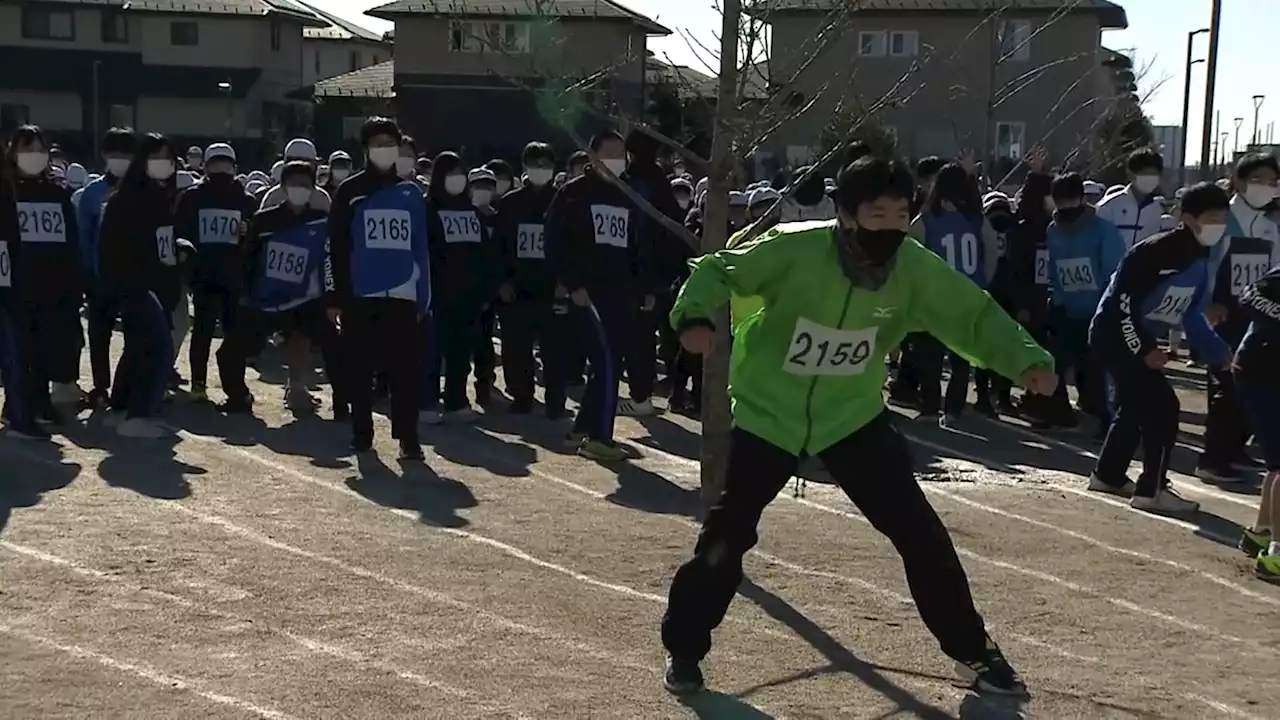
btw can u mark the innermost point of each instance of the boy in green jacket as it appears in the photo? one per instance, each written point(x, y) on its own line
point(806, 379)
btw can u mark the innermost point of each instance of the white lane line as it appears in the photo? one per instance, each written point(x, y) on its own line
point(1224, 708)
point(428, 594)
point(1191, 486)
point(1150, 613)
point(316, 646)
point(146, 673)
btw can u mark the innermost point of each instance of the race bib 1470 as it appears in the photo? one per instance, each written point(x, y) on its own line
point(387, 229)
point(286, 263)
point(219, 226)
point(41, 222)
point(6, 271)
point(529, 242)
point(819, 350)
point(609, 223)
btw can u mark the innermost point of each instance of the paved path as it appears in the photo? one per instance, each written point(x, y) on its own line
point(252, 569)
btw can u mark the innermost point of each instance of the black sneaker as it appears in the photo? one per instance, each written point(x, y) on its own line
point(1218, 473)
point(411, 451)
point(992, 674)
point(360, 445)
point(984, 407)
point(341, 412)
point(683, 677)
point(520, 407)
point(237, 405)
point(97, 399)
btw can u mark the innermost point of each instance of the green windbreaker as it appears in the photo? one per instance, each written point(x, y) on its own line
point(808, 368)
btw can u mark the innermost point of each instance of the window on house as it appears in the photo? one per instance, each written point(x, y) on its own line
point(355, 60)
point(872, 44)
point(472, 36)
point(1011, 140)
point(13, 116)
point(275, 36)
point(904, 43)
point(115, 27)
point(184, 33)
point(41, 24)
point(1015, 40)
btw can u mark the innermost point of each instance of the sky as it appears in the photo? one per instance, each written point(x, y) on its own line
point(1156, 39)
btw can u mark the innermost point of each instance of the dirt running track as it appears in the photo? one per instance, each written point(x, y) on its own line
point(252, 569)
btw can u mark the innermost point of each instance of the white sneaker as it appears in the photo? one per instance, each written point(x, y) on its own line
point(1165, 502)
point(1096, 484)
point(430, 417)
point(465, 416)
point(636, 408)
point(141, 428)
point(66, 394)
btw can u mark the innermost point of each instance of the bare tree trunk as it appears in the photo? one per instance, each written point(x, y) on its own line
point(716, 419)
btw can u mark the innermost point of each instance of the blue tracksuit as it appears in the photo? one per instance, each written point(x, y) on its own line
point(88, 217)
point(1082, 257)
point(289, 262)
point(387, 254)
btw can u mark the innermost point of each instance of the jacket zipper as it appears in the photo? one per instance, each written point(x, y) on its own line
point(813, 383)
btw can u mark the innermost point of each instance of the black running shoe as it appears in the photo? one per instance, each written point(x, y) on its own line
point(360, 445)
point(411, 451)
point(992, 674)
point(683, 677)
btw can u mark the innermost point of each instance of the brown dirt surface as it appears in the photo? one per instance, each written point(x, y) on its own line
point(253, 568)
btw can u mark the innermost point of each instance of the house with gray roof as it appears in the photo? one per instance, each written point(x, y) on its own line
point(338, 48)
point(993, 75)
point(487, 76)
point(196, 70)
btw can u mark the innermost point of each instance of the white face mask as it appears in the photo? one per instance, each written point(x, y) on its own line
point(1146, 184)
point(503, 187)
point(298, 196)
point(1209, 235)
point(455, 184)
point(159, 169)
point(383, 158)
point(117, 166)
point(32, 163)
point(682, 201)
point(404, 167)
point(339, 174)
point(538, 176)
point(1258, 195)
point(481, 198)
point(617, 166)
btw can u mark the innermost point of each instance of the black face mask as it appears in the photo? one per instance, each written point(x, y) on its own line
point(1069, 215)
point(867, 256)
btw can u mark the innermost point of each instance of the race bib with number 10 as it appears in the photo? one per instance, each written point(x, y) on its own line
point(6, 273)
point(819, 350)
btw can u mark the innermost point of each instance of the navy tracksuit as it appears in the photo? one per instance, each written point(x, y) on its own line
point(595, 244)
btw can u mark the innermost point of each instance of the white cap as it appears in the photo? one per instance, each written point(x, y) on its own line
point(481, 174)
point(219, 150)
point(1168, 222)
point(301, 149)
point(254, 186)
point(339, 155)
point(185, 179)
point(1093, 187)
point(763, 195)
point(737, 198)
point(259, 176)
point(77, 176)
point(277, 171)
point(682, 183)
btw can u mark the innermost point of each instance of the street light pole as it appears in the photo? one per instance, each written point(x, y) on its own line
point(225, 88)
point(1186, 102)
point(1257, 107)
point(1222, 146)
point(1210, 84)
point(1235, 140)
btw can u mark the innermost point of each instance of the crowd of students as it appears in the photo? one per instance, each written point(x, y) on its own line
point(400, 272)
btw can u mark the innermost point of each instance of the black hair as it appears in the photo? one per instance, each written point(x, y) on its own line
point(535, 151)
point(23, 136)
point(601, 138)
point(298, 167)
point(870, 179)
point(407, 140)
point(579, 158)
point(136, 180)
point(642, 146)
point(1253, 162)
point(446, 163)
point(1069, 186)
point(812, 190)
point(500, 168)
point(929, 166)
point(1145, 159)
point(955, 185)
point(1204, 197)
point(119, 140)
point(855, 151)
point(378, 125)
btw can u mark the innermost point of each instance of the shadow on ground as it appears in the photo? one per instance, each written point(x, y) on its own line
point(32, 470)
point(416, 488)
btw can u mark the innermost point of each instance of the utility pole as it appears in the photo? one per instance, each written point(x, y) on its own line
point(1186, 103)
point(1210, 85)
